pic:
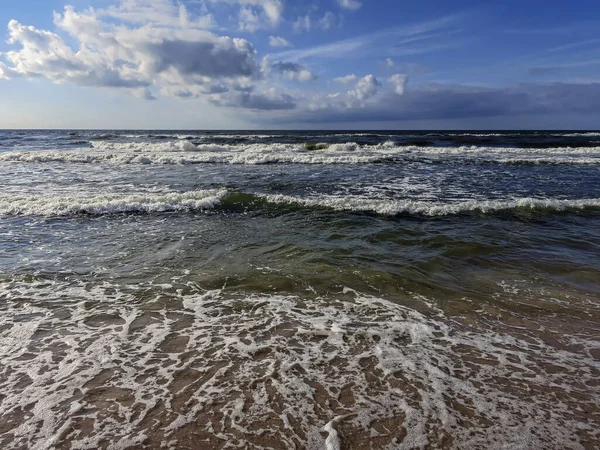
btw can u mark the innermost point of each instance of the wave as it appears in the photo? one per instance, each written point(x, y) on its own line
point(23, 205)
point(426, 208)
point(234, 201)
point(186, 152)
point(587, 134)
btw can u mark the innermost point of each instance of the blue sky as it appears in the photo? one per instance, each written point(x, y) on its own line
point(203, 64)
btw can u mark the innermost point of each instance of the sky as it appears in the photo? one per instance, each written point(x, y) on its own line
point(291, 64)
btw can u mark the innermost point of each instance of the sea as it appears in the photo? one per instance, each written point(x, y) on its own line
point(299, 290)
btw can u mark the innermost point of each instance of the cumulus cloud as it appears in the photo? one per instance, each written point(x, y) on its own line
point(276, 41)
point(204, 56)
point(174, 56)
point(45, 54)
point(389, 62)
point(365, 88)
point(399, 82)
point(294, 71)
point(125, 57)
point(352, 5)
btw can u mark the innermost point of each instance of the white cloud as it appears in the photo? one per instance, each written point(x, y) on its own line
point(346, 79)
point(405, 36)
point(250, 20)
point(303, 23)
point(306, 23)
point(328, 21)
point(163, 13)
point(399, 82)
point(167, 55)
point(365, 88)
point(271, 9)
point(45, 54)
point(276, 41)
point(389, 62)
point(352, 5)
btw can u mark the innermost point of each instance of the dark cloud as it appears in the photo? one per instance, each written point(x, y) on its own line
point(264, 101)
point(224, 57)
point(287, 67)
point(293, 71)
point(458, 102)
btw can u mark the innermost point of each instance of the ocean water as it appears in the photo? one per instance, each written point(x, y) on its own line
point(318, 290)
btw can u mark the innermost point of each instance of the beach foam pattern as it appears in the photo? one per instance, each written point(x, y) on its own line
point(85, 367)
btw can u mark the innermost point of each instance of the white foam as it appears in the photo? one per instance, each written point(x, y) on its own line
point(59, 205)
point(107, 366)
point(185, 152)
point(429, 208)
point(588, 134)
point(332, 442)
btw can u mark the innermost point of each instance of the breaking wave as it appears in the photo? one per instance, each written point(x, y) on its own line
point(185, 152)
point(426, 208)
point(224, 200)
point(23, 205)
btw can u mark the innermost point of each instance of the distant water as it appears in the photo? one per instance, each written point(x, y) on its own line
point(299, 290)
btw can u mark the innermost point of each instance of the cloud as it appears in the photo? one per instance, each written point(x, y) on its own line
point(144, 93)
point(306, 23)
point(268, 100)
point(276, 41)
point(293, 71)
point(399, 82)
point(170, 55)
point(389, 62)
point(163, 13)
point(352, 5)
point(404, 39)
point(204, 56)
point(454, 103)
point(302, 23)
point(255, 14)
point(328, 21)
point(45, 54)
point(346, 79)
point(365, 88)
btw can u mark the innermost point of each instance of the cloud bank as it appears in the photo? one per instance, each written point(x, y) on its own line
point(158, 48)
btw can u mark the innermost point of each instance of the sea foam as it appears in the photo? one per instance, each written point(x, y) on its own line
point(185, 152)
point(60, 205)
point(426, 208)
point(84, 365)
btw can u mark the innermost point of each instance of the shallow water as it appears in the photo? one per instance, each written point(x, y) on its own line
point(225, 290)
